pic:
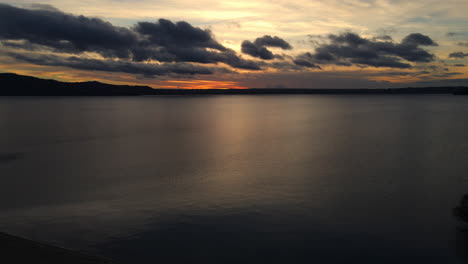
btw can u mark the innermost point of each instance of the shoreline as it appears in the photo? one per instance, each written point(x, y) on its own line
point(21, 250)
point(20, 85)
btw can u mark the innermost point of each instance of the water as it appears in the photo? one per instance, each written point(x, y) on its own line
point(238, 179)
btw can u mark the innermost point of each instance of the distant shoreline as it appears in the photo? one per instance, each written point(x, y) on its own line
point(20, 85)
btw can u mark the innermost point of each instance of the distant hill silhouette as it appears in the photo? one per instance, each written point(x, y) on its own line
point(20, 85)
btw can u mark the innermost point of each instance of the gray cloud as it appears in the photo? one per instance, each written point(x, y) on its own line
point(284, 66)
point(257, 51)
point(181, 34)
point(147, 69)
point(463, 43)
point(64, 32)
point(231, 58)
point(348, 38)
point(164, 47)
point(305, 63)
point(458, 55)
point(24, 45)
point(49, 29)
point(305, 60)
point(258, 48)
point(418, 39)
point(188, 54)
point(381, 62)
point(349, 48)
point(168, 41)
point(269, 41)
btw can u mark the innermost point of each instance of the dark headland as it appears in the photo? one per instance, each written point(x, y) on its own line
point(20, 85)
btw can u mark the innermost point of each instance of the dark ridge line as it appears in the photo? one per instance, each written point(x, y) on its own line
point(20, 85)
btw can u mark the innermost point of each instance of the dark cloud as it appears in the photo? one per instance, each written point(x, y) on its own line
point(269, 41)
point(431, 67)
point(463, 43)
point(306, 63)
point(458, 65)
point(257, 51)
point(188, 54)
point(418, 39)
point(284, 66)
point(452, 34)
point(458, 55)
point(351, 49)
point(348, 38)
point(164, 47)
point(258, 48)
point(147, 69)
point(49, 29)
point(231, 59)
point(181, 34)
point(64, 32)
point(24, 45)
point(381, 62)
point(411, 53)
point(305, 60)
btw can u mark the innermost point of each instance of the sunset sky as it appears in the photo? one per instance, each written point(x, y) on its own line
point(238, 44)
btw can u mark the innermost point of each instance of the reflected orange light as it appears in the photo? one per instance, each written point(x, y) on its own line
point(204, 84)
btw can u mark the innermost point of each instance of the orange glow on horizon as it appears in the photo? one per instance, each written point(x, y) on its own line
point(203, 85)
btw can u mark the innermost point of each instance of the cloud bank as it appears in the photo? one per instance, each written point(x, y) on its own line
point(44, 35)
point(47, 29)
point(458, 55)
point(349, 48)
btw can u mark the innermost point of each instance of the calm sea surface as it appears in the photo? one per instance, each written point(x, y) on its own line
point(238, 179)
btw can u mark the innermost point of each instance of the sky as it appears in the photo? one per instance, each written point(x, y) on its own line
point(238, 44)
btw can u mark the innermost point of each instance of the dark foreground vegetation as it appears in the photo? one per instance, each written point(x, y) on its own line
point(461, 211)
point(19, 85)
